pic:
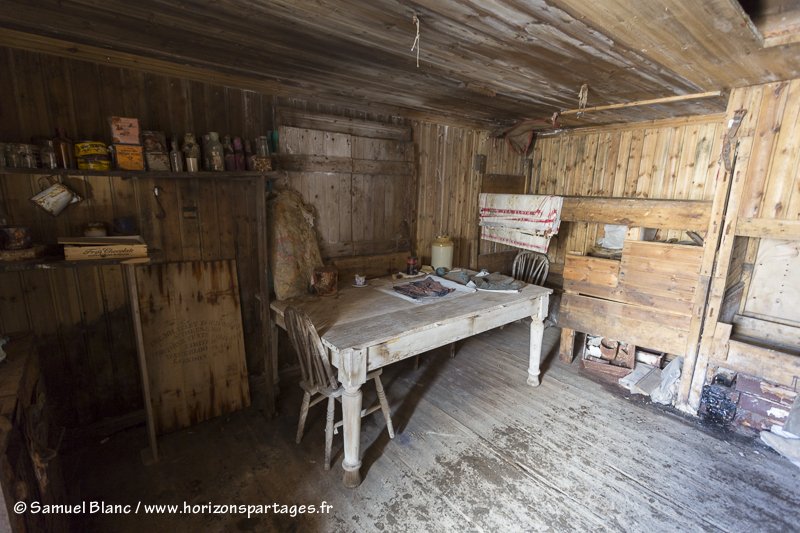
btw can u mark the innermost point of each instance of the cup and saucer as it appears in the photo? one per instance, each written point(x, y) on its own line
point(360, 281)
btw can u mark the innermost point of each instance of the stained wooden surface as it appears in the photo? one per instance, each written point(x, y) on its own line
point(82, 315)
point(348, 50)
point(477, 447)
point(360, 186)
point(192, 329)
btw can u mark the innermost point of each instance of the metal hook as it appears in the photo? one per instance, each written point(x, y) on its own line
point(156, 193)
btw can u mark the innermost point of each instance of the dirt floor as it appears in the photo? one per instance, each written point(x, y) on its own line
point(477, 449)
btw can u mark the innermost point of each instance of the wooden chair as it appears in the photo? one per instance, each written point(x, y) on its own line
point(319, 380)
point(531, 267)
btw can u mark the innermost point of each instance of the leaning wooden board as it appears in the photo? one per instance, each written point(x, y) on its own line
point(192, 330)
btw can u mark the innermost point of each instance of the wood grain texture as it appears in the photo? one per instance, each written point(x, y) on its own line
point(84, 317)
point(193, 341)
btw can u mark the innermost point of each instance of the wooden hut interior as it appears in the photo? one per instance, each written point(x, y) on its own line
point(539, 261)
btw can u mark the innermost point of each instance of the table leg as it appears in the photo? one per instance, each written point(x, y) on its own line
point(537, 333)
point(351, 408)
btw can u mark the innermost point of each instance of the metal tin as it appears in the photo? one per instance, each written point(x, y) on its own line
point(92, 155)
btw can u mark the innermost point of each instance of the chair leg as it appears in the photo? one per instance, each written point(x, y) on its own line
point(384, 406)
point(452, 350)
point(303, 414)
point(329, 432)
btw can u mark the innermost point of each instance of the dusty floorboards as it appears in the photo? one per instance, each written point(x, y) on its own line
point(477, 450)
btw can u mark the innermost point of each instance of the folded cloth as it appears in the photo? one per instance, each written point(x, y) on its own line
point(497, 282)
point(425, 288)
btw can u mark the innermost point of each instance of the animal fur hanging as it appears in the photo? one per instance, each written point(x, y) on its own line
point(583, 96)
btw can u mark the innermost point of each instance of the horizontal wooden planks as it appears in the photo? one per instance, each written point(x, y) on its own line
point(667, 214)
point(642, 326)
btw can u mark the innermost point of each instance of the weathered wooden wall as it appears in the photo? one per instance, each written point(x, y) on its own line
point(449, 182)
point(360, 184)
point(82, 314)
point(751, 322)
point(669, 159)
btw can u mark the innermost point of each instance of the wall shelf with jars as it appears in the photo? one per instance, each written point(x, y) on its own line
point(133, 174)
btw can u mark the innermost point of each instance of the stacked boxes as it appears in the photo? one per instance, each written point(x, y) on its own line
point(128, 153)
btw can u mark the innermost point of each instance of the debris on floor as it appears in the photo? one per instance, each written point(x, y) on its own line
point(785, 443)
point(667, 390)
point(718, 402)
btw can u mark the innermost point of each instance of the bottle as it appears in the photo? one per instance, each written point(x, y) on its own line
point(192, 153)
point(206, 160)
point(248, 155)
point(47, 155)
point(230, 157)
point(216, 155)
point(65, 157)
point(238, 152)
point(175, 157)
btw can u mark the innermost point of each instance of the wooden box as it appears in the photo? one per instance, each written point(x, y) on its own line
point(128, 157)
point(85, 248)
point(124, 130)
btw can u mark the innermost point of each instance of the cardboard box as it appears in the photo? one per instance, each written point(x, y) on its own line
point(157, 160)
point(128, 157)
point(124, 130)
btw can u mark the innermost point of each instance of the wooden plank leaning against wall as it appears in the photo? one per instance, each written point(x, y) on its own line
point(763, 211)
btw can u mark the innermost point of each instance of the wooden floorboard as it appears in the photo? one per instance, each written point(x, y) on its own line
point(477, 449)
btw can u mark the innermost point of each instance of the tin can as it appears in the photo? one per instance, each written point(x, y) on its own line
point(92, 155)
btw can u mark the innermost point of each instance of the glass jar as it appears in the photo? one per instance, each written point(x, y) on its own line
point(216, 154)
point(47, 155)
point(175, 157)
point(191, 151)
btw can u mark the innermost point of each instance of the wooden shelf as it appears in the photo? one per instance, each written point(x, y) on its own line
point(135, 174)
point(54, 262)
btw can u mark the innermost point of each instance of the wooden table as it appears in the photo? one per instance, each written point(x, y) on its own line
point(366, 328)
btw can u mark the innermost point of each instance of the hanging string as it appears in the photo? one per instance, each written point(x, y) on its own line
point(415, 20)
point(583, 95)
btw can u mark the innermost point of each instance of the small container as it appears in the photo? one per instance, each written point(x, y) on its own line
point(175, 157)
point(124, 130)
point(228, 154)
point(238, 153)
point(47, 155)
point(128, 157)
point(412, 266)
point(442, 252)
point(191, 152)
point(92, 155)
point(65, 155)
point(216, 154)
point(95, 229)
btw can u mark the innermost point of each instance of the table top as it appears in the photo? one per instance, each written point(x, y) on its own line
point(358, 317)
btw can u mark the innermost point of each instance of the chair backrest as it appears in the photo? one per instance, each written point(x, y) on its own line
point(311, 353)
point(531, 267)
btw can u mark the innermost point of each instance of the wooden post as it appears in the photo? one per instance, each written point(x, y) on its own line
point(269, 345)
point(133, 294)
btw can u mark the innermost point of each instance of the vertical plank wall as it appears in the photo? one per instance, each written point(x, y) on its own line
point(449, 184)
point(763, 209)
point(82, 315)
point(667, 159)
